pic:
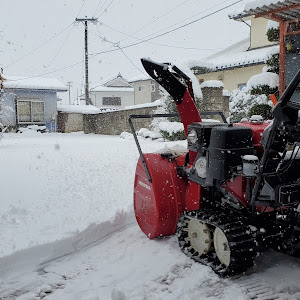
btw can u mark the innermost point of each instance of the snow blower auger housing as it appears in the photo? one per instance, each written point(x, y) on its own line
point(233, 193)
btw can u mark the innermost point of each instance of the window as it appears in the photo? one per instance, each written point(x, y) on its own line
point(111, 100)
point(142, 88)
point(241, 86)
point(31, 111)
point(152, 87)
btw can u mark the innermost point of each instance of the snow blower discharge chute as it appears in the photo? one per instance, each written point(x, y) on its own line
point(235, 191)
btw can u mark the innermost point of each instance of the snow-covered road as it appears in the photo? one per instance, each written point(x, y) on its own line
point(68, 231)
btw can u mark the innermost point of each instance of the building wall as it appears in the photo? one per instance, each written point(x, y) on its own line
point(232, 78)
point(258, 37)
point(127, 98)
point(146, 96)
point(10, 97)
point(116, 122)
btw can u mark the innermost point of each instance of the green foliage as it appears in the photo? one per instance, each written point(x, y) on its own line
point(273, 34)
point(261, 109)
point(273, 63)
point(200, 70)
point(263, 89)
point(175, 136)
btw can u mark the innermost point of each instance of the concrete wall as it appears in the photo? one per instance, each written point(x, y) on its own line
point(116, 122)
point(69, 122)
point(10, 98)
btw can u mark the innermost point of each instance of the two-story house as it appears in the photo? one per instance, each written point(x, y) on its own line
point(235, 65)
point(146, 90)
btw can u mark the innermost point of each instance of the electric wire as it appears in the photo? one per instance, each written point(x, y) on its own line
point(159, 44)
point(137, 43)
point(63, 43)
point(38, 47)
point(41, 45)
point(172, 30)
point(96, 10)
point(81, 8)
point(106, 8)
point(172, 24)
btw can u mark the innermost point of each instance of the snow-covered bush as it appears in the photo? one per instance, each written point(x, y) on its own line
point(264, 83)
point(241, 101)
point(172, 131)
point(272, 31)
point(169, 128)
point(253, 95)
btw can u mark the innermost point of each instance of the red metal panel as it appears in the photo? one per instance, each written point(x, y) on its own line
point(193, 196)
point(157, 205)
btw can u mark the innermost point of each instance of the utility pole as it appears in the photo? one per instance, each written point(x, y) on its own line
point(69, 85)
point(85, 22)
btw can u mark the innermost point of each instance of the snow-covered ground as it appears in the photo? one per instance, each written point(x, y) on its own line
point(68, 231)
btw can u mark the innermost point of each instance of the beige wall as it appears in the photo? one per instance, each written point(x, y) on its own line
point(258, 33)
point(141, 97)
point(232, 78)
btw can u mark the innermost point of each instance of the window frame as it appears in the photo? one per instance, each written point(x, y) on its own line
point(142, 88)
point(152, 87)
point(31, 101)
point(106, 98)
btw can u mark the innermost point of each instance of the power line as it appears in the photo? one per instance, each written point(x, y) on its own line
point(64, 41)
point(159, 44)
point(106, 8)
point(175, 29)
point(7, 66)
point(46, 41)
point(134, 44)
point(163, 15)
point(197, 15)
point(81, 8)
point(96, 10)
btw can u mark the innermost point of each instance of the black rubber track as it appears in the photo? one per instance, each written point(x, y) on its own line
point(241, 241)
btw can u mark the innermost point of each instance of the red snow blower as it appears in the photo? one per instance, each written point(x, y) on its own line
point(234, 192)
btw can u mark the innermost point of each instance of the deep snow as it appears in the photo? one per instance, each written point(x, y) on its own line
point(68, 231)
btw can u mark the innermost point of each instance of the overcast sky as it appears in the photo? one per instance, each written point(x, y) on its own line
point(39, 37)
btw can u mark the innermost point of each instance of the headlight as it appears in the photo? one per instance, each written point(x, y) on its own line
point(200, 167)
point(192, 137)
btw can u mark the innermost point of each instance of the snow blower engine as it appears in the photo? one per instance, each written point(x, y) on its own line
point(234, 192)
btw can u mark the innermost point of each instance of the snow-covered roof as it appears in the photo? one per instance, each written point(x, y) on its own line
point(112, 89)
point(235, 56)
point(117, 81)
point(141, 77)
point(78, 108)
point(155, 103)
point(34, 83)
point(212, 83)
point(280, 9)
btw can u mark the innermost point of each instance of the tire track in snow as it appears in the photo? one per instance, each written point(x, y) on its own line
point(13, 284)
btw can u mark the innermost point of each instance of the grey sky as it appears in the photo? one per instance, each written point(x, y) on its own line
point(27, 27)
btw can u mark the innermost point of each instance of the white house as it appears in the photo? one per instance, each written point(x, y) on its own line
point(115, 93)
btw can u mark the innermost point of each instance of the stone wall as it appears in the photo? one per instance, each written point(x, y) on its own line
point(213, 99)
point(116, 122)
